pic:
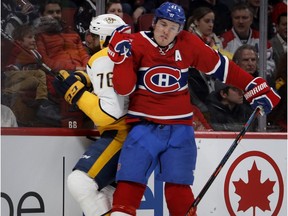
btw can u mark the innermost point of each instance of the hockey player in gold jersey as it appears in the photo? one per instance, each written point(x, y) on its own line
point(91, 179)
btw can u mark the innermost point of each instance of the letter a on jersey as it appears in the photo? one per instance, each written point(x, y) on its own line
point(178, 56)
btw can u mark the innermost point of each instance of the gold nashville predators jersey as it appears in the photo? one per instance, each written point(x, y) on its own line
point(104, 106)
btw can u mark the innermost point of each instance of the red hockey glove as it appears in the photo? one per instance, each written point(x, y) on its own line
point(119, 47)
point(258, 93)
point(69, 87)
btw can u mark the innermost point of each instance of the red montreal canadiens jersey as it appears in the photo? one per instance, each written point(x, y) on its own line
point(157, 81)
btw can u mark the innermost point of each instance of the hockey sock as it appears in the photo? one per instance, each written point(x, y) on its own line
point(178, 198)
point(127, 198)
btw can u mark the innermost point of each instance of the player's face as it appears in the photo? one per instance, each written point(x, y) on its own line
point(242, 20)
point(248, 61)
point(206, 23)
point(165, 32)
point(92, 42)
point(28, 42)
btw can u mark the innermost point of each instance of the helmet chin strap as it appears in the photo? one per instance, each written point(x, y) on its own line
point(164, 50)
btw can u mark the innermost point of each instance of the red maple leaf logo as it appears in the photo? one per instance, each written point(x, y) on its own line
point(254, 193)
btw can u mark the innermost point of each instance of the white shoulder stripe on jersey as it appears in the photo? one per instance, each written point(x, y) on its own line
point(143, 33)
point(187, 115)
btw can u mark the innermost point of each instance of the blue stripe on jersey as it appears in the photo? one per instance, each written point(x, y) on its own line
point(221, 70)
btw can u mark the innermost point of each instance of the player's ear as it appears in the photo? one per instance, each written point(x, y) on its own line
point(154, 21)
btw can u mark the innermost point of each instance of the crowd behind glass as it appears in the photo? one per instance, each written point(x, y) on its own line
point(39, 40)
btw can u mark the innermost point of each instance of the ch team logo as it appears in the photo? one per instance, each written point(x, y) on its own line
point(162, 79)
point(258, 192)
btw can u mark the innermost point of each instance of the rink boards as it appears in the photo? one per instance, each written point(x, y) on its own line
point(35, 164)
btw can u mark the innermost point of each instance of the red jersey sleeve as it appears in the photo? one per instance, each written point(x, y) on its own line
point(124, 77)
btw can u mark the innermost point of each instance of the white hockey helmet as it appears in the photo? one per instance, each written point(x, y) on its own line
point(103, 25)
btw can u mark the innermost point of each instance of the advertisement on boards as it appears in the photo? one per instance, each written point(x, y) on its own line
point(253, 181)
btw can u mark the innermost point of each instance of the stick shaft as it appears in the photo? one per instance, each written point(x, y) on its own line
point(224, 160)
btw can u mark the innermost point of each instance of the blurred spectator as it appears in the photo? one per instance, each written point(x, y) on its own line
point(247, 58)
point(15, 13)
point(255, 7)
point(8, 119)
point(60, 46)
point(142, 7)
point(86, 10)
point(279, 41)
point(201, 23)
point(222, 21)
point(277, 7)
point(278, 116)
point(226, 108)
point(242, 33)
point(130, 6)
point(114, 7)
point(201, 85)
point(23, 74)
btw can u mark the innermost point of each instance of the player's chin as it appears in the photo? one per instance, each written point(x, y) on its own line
point(164, 42)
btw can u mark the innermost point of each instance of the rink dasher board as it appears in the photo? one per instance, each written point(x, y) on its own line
point(34, 169)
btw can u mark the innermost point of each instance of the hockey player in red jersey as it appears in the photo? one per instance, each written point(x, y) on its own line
point(152, 68)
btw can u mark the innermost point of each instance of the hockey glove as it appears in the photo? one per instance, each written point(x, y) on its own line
point(69, 87)
point(119, 47)
point(258, 93)
point(83, 77)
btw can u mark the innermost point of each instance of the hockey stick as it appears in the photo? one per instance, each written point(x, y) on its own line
point(192, 209)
